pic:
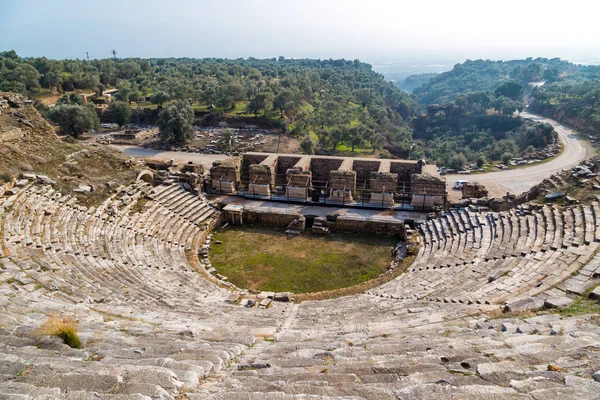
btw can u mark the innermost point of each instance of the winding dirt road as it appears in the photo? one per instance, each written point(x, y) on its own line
point(520, 180)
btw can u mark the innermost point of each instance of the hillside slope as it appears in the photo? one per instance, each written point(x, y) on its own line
point(29, 144)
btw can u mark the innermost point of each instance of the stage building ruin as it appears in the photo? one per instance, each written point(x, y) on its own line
point(369, 182)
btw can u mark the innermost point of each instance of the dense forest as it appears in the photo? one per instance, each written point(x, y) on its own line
point(575, 99)
point(481, 99)
point(328, 101)
point(480, 75)
point(329, 105)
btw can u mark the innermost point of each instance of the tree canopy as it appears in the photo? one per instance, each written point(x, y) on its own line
point(176, 122)
point(74, 119)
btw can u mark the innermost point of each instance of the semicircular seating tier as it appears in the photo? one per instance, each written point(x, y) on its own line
point(156, 326)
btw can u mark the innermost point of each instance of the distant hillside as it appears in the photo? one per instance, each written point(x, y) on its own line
point(574, 99)
point(481, 75)
point(414, 81)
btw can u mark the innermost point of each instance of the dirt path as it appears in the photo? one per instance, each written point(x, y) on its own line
point(180, 157)
point(520, 180)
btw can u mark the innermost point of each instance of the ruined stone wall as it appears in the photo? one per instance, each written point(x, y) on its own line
point(383, 181)
point(321, 167)
point(261, 174)
point(247, 160)
point(427, 184)
point(226, 170)
point(269, 218)
point(298, 177)
point(342, 180)
point(363, 170)
point(349, 225)
point(474, 191)
point(404, 170)
point(284, 163)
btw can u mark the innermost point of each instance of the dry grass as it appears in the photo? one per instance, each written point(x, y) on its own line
point(64, 328)
point(139, 205)
point(42, 152)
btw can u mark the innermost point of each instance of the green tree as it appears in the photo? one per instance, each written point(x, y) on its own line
point(227, 135)
point(511, 89)
point(286, 100)
point(74, 119)
point(365, 96)
point(480, 160)
point(377, 141)
point(159, 98)
point(73, 98)
point(358, 135)
point(308, 144)
point(224, 99)
point(120, 112)
point(176, 122)
point(135, 96)
point(262, 101)
point(506, 157)
point(458, 161)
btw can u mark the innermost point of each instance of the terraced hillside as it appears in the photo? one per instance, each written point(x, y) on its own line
point(153, 325)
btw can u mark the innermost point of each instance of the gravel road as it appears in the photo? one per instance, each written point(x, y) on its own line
point(179, 157)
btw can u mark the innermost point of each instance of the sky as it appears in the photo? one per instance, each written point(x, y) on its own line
point(375, 31)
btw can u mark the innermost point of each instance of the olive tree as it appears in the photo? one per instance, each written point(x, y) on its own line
point(176, 122)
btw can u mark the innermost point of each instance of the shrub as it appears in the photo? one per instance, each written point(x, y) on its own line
point(412, 250)
point(6, 177)
point(458, 161)
point(64, 328)
point(308, 144)
point(506, 157)
point(480, 161)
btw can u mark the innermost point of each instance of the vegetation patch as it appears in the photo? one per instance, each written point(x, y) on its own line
point(64, 328)
point(262, 258)
point(582, 305)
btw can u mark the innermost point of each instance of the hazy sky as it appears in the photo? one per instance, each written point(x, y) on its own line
point(371, 30)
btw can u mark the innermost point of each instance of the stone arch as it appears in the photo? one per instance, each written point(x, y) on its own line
point(146, 176)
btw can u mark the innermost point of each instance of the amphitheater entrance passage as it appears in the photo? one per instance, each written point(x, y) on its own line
point(233, 214)
point(146, 176)
point(309, 221)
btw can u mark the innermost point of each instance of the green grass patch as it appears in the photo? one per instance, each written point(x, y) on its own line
point(263, 258)
point(582, 305)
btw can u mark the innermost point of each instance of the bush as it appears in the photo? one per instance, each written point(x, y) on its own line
point(308, 144)
point(458, 161)
point(480, 161)
point(64, 328)
point(412, 250)
point(506, 157)
point(6, 177)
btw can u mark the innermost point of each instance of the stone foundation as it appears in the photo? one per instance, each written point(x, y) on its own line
point(386, 199)
point(259, 189)
point(420, 201)
point(295, 192)
point(270, 218)
point(351, 225)
point(341, 195)
point(224, 186)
